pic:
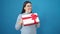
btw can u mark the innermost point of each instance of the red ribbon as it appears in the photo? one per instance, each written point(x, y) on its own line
point(34, 17)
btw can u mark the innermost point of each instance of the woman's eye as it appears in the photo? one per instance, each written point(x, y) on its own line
point(29, 6)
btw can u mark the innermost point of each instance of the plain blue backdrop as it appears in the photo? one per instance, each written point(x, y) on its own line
point(48, 10)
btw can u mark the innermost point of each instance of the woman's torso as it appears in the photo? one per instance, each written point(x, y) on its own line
point(28, 29)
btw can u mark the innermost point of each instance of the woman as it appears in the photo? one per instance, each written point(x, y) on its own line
point(27, 9)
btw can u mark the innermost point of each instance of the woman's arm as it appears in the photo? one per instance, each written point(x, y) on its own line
point(18, 24)
point(38, 25)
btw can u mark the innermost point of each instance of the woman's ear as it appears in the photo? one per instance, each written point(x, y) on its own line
point(24, 8)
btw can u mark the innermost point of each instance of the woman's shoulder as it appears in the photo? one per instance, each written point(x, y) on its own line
point(20, 15)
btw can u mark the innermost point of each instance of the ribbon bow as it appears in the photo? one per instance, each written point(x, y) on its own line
point(34, 17)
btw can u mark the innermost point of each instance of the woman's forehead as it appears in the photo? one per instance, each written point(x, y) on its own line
point(28, 4)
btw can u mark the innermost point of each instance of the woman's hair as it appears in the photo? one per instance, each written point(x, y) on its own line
point(23, 10)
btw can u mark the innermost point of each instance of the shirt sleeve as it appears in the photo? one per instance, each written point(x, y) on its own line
point(17, 25)
point(38, 25)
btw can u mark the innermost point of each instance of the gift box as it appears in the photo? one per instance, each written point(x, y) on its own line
point(30, 19)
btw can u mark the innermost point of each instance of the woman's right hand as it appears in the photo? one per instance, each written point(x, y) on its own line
point(21, 22)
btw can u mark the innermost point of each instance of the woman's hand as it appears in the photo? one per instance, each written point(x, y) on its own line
point(21, 22)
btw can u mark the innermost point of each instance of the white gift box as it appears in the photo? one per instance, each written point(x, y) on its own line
point(30, 19)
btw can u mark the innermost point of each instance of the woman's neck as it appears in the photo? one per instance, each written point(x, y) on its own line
point(27, 12)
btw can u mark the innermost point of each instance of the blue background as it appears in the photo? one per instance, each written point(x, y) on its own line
point(48, 10)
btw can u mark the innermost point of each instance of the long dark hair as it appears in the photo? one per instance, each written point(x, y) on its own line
point(23, 11)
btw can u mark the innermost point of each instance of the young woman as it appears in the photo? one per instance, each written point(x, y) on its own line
point(27, 9)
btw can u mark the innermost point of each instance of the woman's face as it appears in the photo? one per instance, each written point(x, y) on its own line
point(28, 7)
